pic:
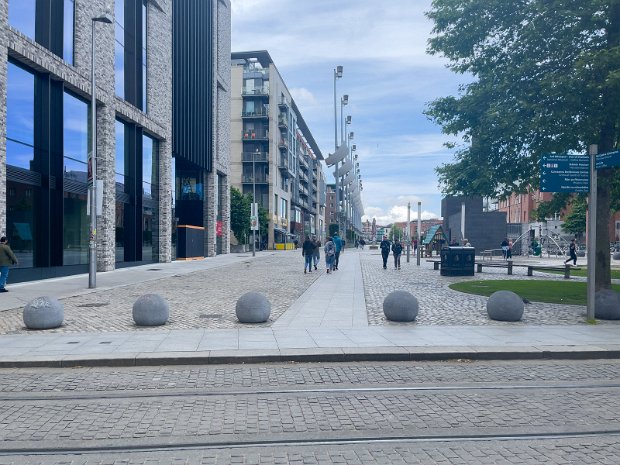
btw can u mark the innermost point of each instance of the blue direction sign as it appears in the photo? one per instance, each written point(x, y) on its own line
point(564, 173)
point(607, 160)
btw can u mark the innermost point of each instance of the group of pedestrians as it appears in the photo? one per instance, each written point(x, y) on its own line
point(311, 251)
point(397, 249)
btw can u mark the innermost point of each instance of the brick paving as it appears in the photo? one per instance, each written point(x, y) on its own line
point(206, 299)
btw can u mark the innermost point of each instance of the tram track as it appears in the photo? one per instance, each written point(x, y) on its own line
point(110, 395)
point(341, 441)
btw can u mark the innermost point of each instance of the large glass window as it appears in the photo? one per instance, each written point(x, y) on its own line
point(150, 217)
point(144, 29)
point(119, 47)
point(119, 176)
point(75, 157)
point(22, 188)
point(68, 29)
point(22, 16)
point(49, 22)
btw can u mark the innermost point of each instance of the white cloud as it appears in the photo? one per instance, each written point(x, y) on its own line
point(303, 97)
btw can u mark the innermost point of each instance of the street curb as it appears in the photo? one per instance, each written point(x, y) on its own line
point(336, 355)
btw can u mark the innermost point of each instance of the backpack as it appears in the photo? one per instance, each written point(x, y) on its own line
point(330, 248)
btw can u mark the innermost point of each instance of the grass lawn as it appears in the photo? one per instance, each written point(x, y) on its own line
point(583, 272)
point(555, 292)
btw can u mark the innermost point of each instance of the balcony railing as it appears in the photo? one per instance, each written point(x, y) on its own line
point(283, 144)
point(260, 113)
point(258, 157)
point(260, 179)
point(283, 165)
point(258, 91)
point(254, 135)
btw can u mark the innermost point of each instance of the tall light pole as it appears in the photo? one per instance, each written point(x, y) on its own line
point(92, 240)
point(254, 203)
point(337, 75)
point(419, 231)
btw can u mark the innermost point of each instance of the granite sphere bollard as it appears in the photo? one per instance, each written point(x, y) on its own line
point(607, 305)
point(505, 306)
point(253, 307)
point(43, 313)
point(151, 310)
point(400, 306)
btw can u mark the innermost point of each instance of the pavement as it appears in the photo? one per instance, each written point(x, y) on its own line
point(316, 317)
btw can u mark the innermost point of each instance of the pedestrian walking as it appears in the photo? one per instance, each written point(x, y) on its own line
point(505, 248)
point(509, 251)
point(307, 251)
point(572, 252)
point(330, 254)
point(397, 250)
point(385, 251)
point(316, 257)
point(7, 258)
point(338, 244)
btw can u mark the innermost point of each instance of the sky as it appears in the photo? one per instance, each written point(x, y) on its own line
point(387, 75)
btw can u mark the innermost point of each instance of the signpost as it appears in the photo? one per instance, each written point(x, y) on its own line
point(564, 173)
point(608, 160)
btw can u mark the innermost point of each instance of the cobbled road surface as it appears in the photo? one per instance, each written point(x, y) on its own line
point(457, 412)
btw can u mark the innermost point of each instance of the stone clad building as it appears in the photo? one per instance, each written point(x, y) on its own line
point(45, 129)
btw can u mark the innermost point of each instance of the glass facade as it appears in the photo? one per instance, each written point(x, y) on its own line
point(22, 188)
point(51, 23)
point(150, 217)
point(119, 47)
point(68, 30)
point(121, 197)
point(144, 29)
point(22, 16)
point(76, 147)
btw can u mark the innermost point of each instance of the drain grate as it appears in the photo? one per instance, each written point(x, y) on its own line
point(106, 342)
point(154, 269)
point(211, 315)
point(95, 304)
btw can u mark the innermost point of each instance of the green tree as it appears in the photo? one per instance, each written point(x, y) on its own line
point(548, 209)
point(240, 215)
point(396, 233)
point(575, 221)
point(546, 79)
point(263, 222)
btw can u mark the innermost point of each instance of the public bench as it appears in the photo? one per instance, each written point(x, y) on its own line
point(435, 263)
point(565, 269)
point(490, 253)
point(509, 265)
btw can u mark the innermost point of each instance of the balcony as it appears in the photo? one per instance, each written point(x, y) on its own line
point(283, 145)
point(256, 92)
point(283, 104)
point(259, 113)
point(260, 179)
point(283, 123)
point(283, 165)
point(255, 135)
point(258, 157)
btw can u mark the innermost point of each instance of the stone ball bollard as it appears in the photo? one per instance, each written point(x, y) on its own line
point(150, 310)
point(505, 306)
point(400, 306)
point(253, 307)
point(607, 305)
point(44, 313)
point(616, 256)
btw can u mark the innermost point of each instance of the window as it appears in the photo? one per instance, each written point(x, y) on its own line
point(48, 22)
point(283, 208)
point(121, 199)
point(22, 16)
point(130, 33)
point(275, 204)
point(75, 158)
point(21, 224)
point(150, 217)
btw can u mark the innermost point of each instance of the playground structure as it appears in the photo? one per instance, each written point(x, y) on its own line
point(541, 246)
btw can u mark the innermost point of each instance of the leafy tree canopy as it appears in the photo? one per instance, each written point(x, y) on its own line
point(575, 221)
point(546, 79)
point(240, 214)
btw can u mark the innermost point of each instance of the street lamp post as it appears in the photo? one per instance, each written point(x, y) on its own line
point(254, 203)
point(92, 240)
point(337, 75)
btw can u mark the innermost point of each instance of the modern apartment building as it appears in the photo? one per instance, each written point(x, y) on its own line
point(46, 131)
point(273, 153)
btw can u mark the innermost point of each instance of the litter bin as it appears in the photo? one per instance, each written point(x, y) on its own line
point(457, 261)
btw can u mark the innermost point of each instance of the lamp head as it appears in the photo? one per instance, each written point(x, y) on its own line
point(354, 147)
point(345, 99)
point(349, 119)
point(104, 18)
point(339, 71)
point(351, 134)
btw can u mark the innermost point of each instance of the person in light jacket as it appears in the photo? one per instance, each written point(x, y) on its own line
point(7, 258)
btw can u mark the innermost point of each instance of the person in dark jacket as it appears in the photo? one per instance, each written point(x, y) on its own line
point(385, 250)
point(7, 258)
point(572, 252)
point(397, 250)
point(307, 250)
point(317, 252)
